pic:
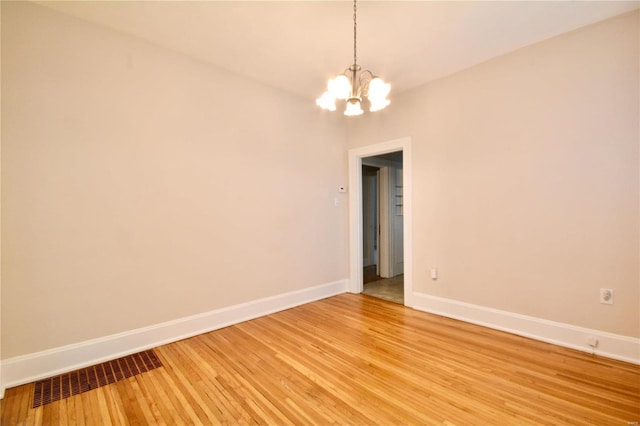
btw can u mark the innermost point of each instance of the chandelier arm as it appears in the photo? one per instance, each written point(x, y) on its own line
point(363, 82)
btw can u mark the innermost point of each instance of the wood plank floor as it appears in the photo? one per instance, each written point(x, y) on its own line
point(354, 359)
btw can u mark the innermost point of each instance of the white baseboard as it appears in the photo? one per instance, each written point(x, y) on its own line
point(610, 345)
point(28, 368)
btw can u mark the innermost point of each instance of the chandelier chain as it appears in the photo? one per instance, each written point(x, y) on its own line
point(355, 24)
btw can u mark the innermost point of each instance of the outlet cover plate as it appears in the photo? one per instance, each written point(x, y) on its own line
point(606, 296)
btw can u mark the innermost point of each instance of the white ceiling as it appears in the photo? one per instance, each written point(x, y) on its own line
point(296, 45)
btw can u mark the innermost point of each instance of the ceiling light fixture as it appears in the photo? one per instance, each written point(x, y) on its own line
point(353, 87)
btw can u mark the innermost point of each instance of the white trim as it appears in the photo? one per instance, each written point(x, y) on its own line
point(28, 368)
point(355, 212)
point(610, 345)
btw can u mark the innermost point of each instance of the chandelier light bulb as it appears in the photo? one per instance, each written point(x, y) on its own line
point(379, 104)
point(378, 89)
point(326, 101)
point(353, 108)
point(340, 87)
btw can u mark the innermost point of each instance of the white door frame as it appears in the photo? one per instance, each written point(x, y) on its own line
point(355, 212)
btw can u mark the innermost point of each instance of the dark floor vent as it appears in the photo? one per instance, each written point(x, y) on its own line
point(75, 382)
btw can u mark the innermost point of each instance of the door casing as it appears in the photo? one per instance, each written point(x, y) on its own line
point(355, 212)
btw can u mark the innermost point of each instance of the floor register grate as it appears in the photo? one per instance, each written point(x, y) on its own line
point(85, 379)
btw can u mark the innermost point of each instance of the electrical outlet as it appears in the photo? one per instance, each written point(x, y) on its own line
point(606, 296)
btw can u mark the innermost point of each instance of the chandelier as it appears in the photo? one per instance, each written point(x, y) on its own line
point(353, 87)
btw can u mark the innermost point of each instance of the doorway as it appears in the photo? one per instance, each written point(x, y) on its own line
point(358, 157)
point(382, 226)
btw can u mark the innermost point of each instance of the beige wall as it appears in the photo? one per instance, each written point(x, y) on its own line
point(140, 186)
point(526, 178)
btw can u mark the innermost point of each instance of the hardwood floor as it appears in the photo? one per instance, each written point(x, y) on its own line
point(354, 359)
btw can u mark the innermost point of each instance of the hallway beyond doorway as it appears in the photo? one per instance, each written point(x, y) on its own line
point(391, 289)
